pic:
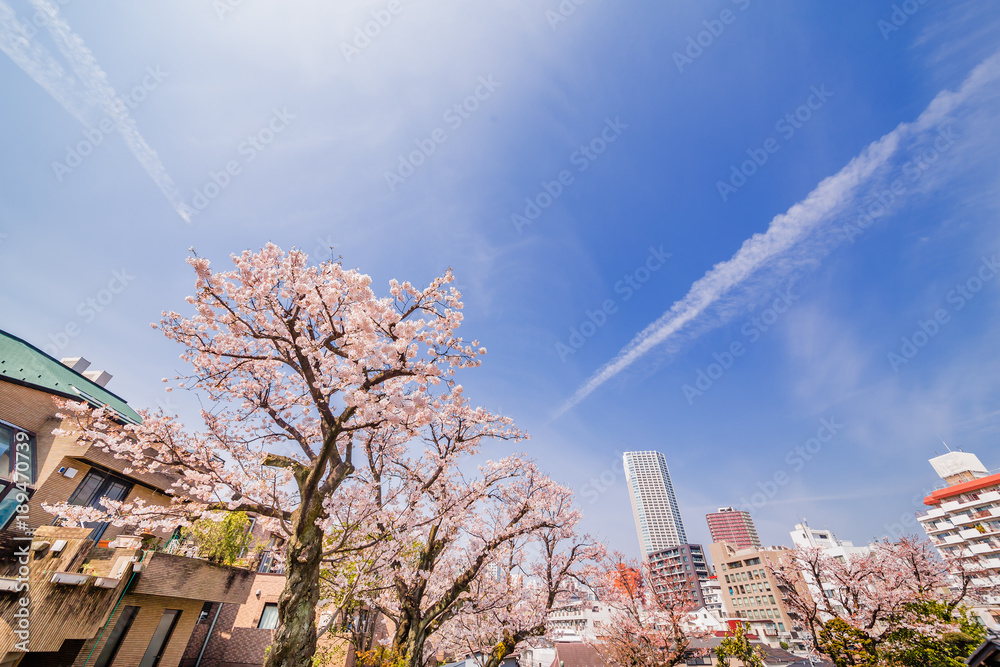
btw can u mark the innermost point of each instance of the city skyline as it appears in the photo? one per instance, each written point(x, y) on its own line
point(821, 217)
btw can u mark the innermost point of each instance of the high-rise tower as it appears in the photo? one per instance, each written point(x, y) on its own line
point(654, 506)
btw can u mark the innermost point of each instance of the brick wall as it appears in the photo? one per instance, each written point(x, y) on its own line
point(236, 640)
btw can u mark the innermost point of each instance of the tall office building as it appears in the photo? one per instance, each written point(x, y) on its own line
point(654, 506)
point(733, 526)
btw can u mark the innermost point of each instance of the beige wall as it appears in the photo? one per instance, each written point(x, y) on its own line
point(137, 640)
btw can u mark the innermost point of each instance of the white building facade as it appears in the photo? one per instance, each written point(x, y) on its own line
point(964, 522)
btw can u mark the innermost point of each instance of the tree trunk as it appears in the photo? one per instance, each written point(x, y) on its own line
point(295, 639)
point(409, 641)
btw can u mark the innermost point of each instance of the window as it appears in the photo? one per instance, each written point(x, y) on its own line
point(95, 487)
point(114, 642)
point(206, 611)
point(17, 455)
point(158, 644)
point(269, 617)
point(17, 466)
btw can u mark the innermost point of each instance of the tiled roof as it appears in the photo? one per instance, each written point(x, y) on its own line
point(23, 363)
point(577, 654)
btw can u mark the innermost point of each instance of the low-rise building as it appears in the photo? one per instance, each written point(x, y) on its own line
point(681, 567)
point(96, 594)
point(115, 606)
point(581, 620)
point(750, 593)
point(711, 592)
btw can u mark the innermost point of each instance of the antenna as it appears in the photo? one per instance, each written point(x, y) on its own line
point(944, 443)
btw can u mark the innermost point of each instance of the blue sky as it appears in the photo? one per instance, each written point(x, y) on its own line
point(619, 126)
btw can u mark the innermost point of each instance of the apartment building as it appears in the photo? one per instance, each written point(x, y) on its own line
point(751, 594)
point(964, 522)
point(683, 566)
point(577, 621)
point(97, 595)
point(733, 526)
point(826, 540)
point(711, 593)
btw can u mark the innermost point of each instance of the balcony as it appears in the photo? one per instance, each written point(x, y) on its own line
point(931, 528)
point(984, 548)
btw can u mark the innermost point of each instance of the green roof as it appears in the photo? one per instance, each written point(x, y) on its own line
point(23, 363)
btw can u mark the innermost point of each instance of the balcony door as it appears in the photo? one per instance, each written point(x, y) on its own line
point(96, 487)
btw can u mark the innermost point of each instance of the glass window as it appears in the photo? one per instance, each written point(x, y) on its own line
point(11, 498)
point(117, 635)
point(269, 617)
point(95, 487)
point(158, 644)
point(17, 455)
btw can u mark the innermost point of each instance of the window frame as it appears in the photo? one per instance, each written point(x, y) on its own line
point(263, 612)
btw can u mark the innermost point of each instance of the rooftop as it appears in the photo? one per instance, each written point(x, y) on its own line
point(23, 363)
point(958, 489)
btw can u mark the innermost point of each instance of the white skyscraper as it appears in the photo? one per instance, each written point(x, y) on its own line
point(654, 506)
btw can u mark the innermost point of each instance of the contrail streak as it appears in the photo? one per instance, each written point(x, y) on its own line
point(88, 92)
point(787, 232)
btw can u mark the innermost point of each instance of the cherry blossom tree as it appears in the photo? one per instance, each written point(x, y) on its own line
point(454, 530)
point(308, 379)
point(866, 608)
point(652, 623)
point(511, 600)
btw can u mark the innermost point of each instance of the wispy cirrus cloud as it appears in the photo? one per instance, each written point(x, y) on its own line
point(84, 95)
point(794, 240)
